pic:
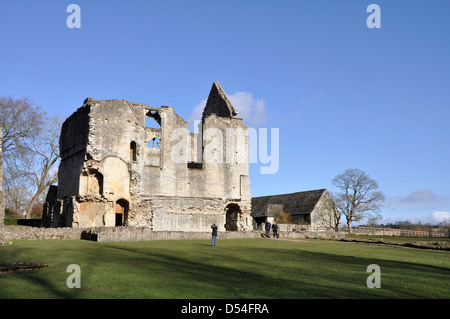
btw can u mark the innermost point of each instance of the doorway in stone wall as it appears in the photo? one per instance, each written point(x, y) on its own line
point(122, 207)
point(231, 217)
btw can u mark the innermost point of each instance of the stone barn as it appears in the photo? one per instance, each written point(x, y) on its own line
point(131, 164)
point(313, 208)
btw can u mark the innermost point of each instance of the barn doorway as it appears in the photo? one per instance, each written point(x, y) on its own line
point(122, 207)
point(231, 217)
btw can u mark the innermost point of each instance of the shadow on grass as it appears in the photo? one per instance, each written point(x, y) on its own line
point(283, 273)
point(196, 270)
point(31, 277)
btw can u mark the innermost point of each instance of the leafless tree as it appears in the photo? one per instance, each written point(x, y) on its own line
point(30, 150)
point(284, 218)
point(17, 195)
point(39, 165)
point(19, 119)
point(358, 196)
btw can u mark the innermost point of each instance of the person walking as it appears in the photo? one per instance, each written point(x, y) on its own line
point(275, 230)
point(214, 235)
point(267, 229)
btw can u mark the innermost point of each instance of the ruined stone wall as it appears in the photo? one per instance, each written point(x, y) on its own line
point(34, 233)
point(111, 234)
point(225, 158)
point(166, 176)
point(94, 170)
point(144, 233)
point(225, 154)
point(187, 214)
point(113, 126)
point(118, 168)
point(72, 143)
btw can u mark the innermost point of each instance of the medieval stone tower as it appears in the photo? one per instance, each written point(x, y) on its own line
point(130, 164)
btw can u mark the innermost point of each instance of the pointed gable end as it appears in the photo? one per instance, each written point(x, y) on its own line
point(218, 103)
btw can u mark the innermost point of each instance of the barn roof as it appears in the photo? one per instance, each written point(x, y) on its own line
point(294, 203)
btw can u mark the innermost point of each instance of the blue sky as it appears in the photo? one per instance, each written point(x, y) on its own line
point(341, 94)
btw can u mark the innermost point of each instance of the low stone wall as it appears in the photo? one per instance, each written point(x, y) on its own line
point(110, 234)
point(35, 233)
point(143, 233)
point(127, 233)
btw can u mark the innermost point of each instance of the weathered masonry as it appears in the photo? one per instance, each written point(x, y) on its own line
point(130, 164)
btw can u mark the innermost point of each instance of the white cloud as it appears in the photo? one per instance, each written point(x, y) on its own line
point(251, 110)
point(421, 195)
point(422, 206)
point(196, 114)
point(440, 216)
point(418, 199)
point(434, 218)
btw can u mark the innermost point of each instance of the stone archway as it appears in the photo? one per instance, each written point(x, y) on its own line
point(121, 209)
point(232, 212)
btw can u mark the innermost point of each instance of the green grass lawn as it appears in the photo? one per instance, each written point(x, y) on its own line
point(237, 268)
point(399, 239)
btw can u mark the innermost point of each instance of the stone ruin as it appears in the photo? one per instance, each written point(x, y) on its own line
point(131, 164)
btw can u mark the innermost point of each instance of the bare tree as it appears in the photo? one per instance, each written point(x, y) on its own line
point(30, 150)
point(17, 194)
point(20, 119)
point(284, 218)
point(39, 163)
point(358, 196)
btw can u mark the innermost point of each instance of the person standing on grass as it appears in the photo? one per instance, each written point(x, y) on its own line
point(275, 230)
point(214, 235)
point(267, 229)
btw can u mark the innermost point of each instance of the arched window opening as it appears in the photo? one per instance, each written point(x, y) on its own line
point(122, 207)
point(133, 151)
point(231, 217)
point(154, 143)
point(153, 119)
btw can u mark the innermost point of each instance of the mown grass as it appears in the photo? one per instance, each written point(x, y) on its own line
point(236, 268)
point(400, 239)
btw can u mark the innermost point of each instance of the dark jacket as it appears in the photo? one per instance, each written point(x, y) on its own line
point(275, 227)
point(214, 230)
point(267, 226)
